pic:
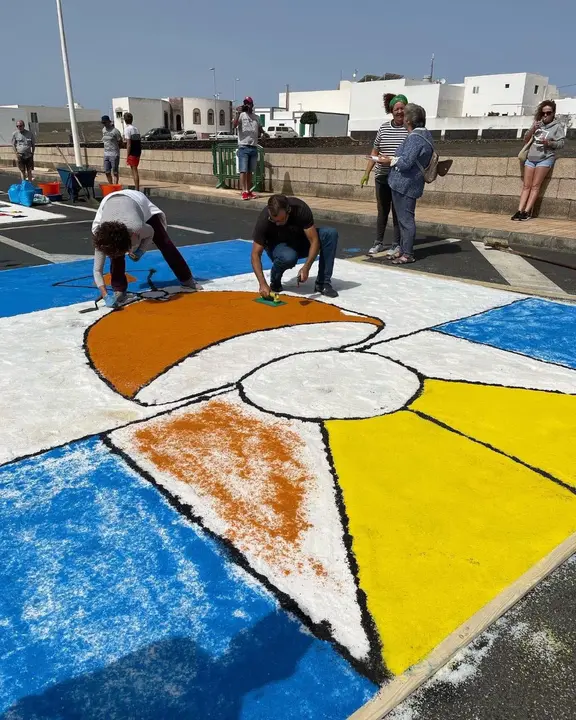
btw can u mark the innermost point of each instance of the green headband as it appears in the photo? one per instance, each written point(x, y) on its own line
point(397, 99)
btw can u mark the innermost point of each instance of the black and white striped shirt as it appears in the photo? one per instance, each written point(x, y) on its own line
point(388, 140)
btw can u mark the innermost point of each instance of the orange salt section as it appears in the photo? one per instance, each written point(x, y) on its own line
point(249, 469)
point(108, 278)
point(132, 347)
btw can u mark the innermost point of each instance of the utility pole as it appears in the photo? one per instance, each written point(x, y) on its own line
point(68, 81)
point(432, 68)
point(213, 70)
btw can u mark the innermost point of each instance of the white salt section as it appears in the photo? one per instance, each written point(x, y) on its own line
point(331, 385)
point(449, 358)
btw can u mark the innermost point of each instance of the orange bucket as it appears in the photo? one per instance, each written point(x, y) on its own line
point(50, 188)
point(107, 188)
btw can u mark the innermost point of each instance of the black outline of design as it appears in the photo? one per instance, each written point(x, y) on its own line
point(373, 669)
point(91, 364)
point(538, 471)
point(344, 351)
point(481, 383)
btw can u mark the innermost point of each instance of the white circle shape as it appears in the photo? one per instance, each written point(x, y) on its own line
point(331, 385)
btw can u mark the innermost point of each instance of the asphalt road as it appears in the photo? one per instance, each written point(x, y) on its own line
point(71, 235)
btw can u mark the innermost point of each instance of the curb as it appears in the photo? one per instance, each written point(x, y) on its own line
point(442, 230)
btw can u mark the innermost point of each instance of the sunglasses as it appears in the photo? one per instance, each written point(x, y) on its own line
point(548, 112)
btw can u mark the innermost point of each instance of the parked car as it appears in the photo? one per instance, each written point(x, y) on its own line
point(185, 135)
point(224, 135)
point(157, 134)
point(281, 131)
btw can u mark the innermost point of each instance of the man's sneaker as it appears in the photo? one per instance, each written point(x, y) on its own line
point(253, 196)
point(119, 298)
point(276, 287)
point(517, 215)
point(246, 196)
point(525, 216)
point(378, 247)
point(326, 290)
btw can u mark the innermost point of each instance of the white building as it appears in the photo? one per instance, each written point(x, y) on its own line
point(41, 118)
point(480, 102)
point(513, 94)
point(329, 124)
point(205, 115)
point(148, 112)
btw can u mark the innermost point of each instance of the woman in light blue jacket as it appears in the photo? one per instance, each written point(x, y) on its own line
point(406, 178)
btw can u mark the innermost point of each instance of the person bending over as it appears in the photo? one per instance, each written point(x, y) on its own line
point(126, 224)
point(286, 230)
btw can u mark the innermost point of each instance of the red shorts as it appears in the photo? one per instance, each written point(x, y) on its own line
point(133, 160)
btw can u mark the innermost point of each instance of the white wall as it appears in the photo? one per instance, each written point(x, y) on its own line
point(367, 106)
point(494, 96)
point(330, 101)
point(566, 106)
point(148, 112)
point(204, 105)
point(9, 114)
point(450, 101)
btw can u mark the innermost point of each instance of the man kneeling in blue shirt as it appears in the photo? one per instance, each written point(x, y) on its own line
point(285, 229)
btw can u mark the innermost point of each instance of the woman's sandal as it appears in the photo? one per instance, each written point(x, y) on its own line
point(403, 260)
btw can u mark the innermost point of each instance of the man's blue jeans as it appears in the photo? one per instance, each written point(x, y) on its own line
point(406, 213)
point(285, 257)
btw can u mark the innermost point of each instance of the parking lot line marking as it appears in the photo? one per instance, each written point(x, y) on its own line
point(76, 207)
point(26, 248)
point(517, 271)
point(194, 230)
point(47, 224)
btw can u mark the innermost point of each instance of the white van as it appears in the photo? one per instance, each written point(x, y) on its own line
point(281, 131)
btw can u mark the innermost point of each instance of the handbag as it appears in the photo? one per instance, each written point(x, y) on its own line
point(431, 172)
point(523, 154)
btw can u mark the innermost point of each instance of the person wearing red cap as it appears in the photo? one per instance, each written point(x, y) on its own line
point(249, 130)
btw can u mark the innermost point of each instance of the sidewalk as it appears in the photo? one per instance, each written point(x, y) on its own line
point(437, 222)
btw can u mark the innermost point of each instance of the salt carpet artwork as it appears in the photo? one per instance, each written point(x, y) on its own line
point(213, 506)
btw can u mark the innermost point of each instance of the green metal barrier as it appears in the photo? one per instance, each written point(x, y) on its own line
point(225, 165)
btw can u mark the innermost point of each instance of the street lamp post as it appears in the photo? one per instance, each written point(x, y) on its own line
point(213, 70)
point(236, 80)
point(68, 81)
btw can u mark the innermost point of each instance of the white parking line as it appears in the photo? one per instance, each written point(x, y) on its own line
point(76, 207)
point(46, 225)
point(517, 271)
point(26, 248)
point(194, 230)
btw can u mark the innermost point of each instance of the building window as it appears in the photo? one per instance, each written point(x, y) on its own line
point(536, 88)
point(210, 117)
point(166, 125)
point(197, 117)
point(33, 117)
point(507, 86)
point(476, 90)
point(178, 123)
point(222, 118)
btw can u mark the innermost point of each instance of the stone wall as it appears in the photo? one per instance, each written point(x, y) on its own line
point(483, 184)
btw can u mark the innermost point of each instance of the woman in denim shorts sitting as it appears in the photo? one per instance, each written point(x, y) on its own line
point(547, 135)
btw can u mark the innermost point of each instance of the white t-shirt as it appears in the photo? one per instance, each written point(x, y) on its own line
point(136, 217)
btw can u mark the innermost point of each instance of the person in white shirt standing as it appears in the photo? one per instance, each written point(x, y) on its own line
point(127, 223)
point(249, 131)
point(24, 146)
point(112, 138)
point(133, 148)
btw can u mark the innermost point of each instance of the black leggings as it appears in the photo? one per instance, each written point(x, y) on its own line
point(385, 204)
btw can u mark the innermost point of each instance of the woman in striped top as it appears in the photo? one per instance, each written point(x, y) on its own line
point(388, 139)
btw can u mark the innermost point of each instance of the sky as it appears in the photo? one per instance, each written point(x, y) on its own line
point(161, 48)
